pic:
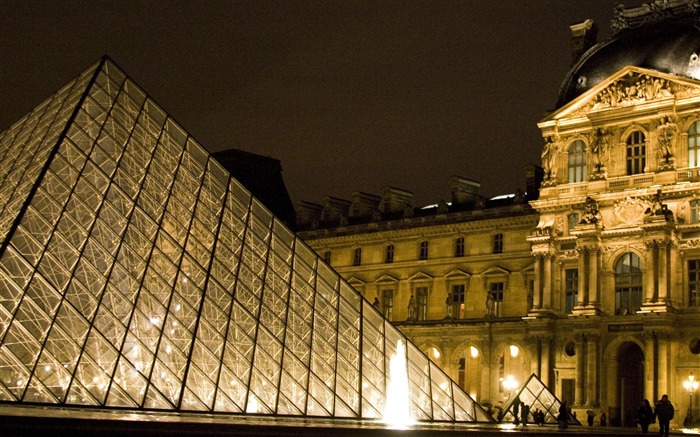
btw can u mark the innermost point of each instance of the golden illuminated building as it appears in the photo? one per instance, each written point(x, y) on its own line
point(591, 282)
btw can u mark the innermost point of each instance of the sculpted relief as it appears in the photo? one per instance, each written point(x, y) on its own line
point(629, 212)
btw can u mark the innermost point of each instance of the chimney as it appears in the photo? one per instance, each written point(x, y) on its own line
point(583, 36)
point(394, 200)
point(463, 190)
point(363, 204)
point(335, 210)
point(308, 214)
point(533, 178)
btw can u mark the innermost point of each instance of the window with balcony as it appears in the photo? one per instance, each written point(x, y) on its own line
point(388, 304)
point(694, 145)
point(458, 295)
point(422, 303)
point(577, 162)
point(628, 284)
point(496, 296)
point(636, 154)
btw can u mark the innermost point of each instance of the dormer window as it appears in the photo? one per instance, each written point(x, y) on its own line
point(636, 154)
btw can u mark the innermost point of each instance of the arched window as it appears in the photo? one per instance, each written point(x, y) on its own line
point(577, 162)
point(636, 154)
point(694, 145)
point(628, 284)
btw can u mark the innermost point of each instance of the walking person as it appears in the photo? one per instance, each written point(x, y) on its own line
point(645, 415)
point(664, 413)
point(590, 417)
point(563, 418)
point(524, 413)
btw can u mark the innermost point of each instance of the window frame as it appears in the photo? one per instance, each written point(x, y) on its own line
point(357, 257)
point(570, 289)
point(389, 254)
point(423, 250)
point(635, 153)
point(497, 243)
point(459, 247)
point(577, 162)
point(694, 144)
point(629, 284)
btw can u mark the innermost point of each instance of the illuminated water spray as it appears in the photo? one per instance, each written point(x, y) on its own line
point(396, 411)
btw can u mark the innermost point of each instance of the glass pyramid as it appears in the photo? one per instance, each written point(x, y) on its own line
point(136, 273)
point(535, 394)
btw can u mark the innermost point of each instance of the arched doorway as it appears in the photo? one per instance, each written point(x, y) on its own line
point(630, 382)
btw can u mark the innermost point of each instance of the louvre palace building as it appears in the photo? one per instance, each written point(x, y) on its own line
point(590, 279)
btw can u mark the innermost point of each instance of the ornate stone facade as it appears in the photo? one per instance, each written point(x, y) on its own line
point(594, 286)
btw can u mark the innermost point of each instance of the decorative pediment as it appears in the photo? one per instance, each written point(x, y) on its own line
point(387, 279)
point(457, 273)
point(495, 270)
point(420, 276)
point(628, 87)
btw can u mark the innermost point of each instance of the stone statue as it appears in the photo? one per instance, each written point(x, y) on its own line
point(490, 305)
point(599, 148)
point(549, 157)
point(659, 209)
point(666, 134)
point(591, 215)
point(412, 307)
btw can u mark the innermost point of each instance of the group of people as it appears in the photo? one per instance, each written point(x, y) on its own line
point(663, 412)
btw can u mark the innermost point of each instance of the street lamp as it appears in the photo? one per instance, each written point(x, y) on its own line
point(690, 384)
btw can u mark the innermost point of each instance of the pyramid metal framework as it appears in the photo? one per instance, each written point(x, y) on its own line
point(538, 397)
point(137, 274)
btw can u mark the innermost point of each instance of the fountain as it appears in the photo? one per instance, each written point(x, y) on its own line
point(396, 408)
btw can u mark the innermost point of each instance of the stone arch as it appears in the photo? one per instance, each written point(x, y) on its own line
point(613, 396)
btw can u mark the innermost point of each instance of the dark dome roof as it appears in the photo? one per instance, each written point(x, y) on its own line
point(668, 46)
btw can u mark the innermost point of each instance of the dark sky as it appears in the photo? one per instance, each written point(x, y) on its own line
point(348, 95)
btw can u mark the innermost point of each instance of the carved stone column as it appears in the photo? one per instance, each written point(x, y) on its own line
point(592, 370)
point(650, 370)
point(593, 282)
point(649, 279)
point(662, 373)
point(537, 293)
point(663, 272)
point(580, 355)
point(547, 286)
point(582, 276)
point(545, 369)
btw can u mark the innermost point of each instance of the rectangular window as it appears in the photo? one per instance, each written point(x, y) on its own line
point(388, 304)
point(694, 282)
point(573, 220)
point(422, 303)
point(496, 294)
point(636, 153)
point(571, 289)
point(498, 243)
point(423, 255)
point(389, 254)
point(459, 247)
point(357, 259)
point(458, 292)
point(327, 257)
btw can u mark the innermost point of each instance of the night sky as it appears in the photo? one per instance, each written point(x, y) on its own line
point(348, 95)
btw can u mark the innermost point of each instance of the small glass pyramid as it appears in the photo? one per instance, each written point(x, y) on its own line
point(136, 273)
point(538, 397)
